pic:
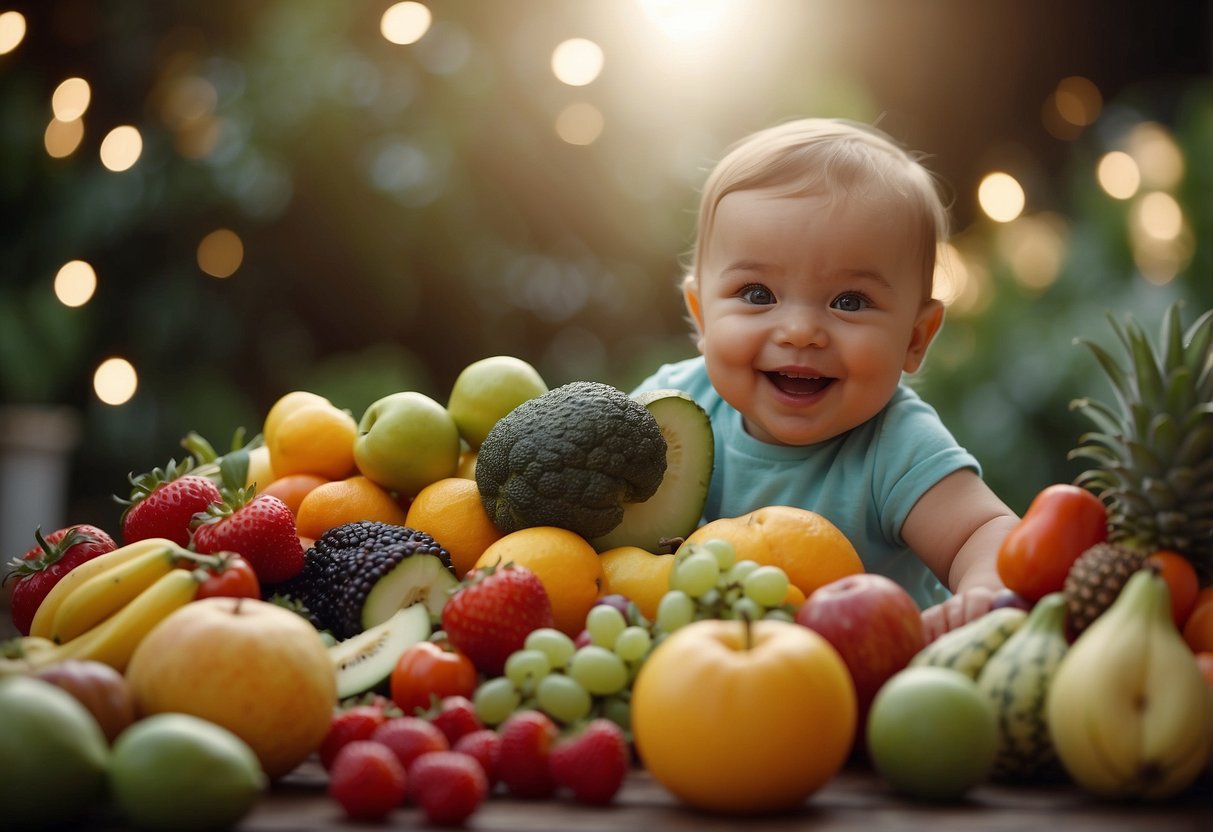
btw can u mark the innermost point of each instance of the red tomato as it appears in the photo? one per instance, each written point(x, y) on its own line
point(1062, 522)
point(428, 670)
point(232, 578)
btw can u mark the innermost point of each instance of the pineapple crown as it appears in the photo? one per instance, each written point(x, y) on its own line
point(1153, 449)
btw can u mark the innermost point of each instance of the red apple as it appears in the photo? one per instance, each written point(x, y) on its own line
point(874, 625)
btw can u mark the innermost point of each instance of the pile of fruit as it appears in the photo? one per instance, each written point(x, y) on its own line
point(511, 593)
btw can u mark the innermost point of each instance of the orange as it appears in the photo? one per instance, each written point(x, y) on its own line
point(314, 439)
point(450, 511)
point(1198, 630)
point(641, 576)
point(566, 564)
point(805, 545)
point(285, 406)
point(1182, 581)
point(292, 488)
point(346, 501)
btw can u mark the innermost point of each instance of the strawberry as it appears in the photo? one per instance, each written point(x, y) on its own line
point(482, 745)
point(356, 723)
point(260, 528)
point(367, 780)
point(449, 787)
point(41, 567)
point(522, 756)
point(491, 613)
point(409, 737)
point(592, 762)
point(455, 716)
point(164, 501)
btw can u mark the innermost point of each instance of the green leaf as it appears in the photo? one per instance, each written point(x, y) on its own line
point(1120, 384)
point(1145, 369)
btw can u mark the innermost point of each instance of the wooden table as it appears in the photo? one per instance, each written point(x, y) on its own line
point(855, 799)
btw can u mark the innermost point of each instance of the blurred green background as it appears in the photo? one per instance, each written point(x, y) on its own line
point(388, 212)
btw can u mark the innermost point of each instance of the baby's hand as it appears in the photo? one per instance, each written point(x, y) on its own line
point(957, 610)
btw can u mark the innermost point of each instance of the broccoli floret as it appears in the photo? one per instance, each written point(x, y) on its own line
point(571, 457)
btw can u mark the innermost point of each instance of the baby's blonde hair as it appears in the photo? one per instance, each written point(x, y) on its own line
point(830, 156)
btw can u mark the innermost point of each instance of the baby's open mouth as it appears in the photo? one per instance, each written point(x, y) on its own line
point(799, 385)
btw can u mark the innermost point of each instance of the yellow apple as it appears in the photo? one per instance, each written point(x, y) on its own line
point(255, 668)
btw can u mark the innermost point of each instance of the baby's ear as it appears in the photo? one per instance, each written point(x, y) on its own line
point(926, 327)
point(690, 296)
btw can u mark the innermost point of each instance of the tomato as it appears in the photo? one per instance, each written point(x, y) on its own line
point(232, 578)
point(428, 670)
point(1182, 581)
point(1061, 523)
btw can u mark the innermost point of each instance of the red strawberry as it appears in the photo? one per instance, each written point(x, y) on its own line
point(455, 716)
point(164, 501)
point(522, 756)
point(592, 762)
point(449, 787)
point(367, 780)
point(357, 723)
point(490, 614)
point(39, 569)
point(409, 737)
point(260, 528)
point(483, 745)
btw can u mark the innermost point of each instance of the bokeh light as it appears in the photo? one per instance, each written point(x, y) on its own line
point(220, 253)
point(1159, 216)
point(70, 99)
point(961, 283)
point(683, 20)
point(405, 23)
point(1157, 155)
point(1118, 175)
point(63, 137)
point(577, 62)
point(115, 381)
point(121, 148)
point(1001, 197)
point(1074, 104)
point(12, 31)
point(580, 123)
point(1034, 247)
point(75, 283)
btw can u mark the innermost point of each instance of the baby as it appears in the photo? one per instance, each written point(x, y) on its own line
point(811, 293)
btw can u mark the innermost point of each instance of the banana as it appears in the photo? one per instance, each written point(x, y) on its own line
point(1128, 710)
point(115, 639)
point(44, 616)
point(103, 594)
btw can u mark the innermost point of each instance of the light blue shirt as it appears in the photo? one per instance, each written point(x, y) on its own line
point(865, 481)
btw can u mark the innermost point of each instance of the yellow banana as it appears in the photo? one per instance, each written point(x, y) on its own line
point(102, 595)
point(44, 616)
point(115, 639)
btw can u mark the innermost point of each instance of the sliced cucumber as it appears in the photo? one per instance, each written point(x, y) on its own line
point(675, 510)
point(420, 577)
point(366, 661)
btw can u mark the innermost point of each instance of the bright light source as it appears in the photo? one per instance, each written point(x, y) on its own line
point(1118, 175)
point(12, 31)
point(405, 23)
point(63, 137)
point(577, 62)
point(70, 99)
point(220, 253)
point(684, 20)
point(75, 283)
point(1157, 155)
point(580, 124)
point(121, 148)
point(115, 381)
point(1160, 216)
point(1001, 197)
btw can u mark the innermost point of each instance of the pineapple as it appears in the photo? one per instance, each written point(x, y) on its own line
point(1153, 455)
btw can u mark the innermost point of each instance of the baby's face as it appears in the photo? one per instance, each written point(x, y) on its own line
point(809, 311)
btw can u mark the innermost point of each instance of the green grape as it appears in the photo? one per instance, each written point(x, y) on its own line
point(633, 644)
point(526, 667)
point(722, 550)
point(766, 585)
point(674, 610)
point(604, 624)
point(618, 710)
point(695, 575)
point(747, 608)
point(710, 598)
point(738, 571)
point(562, 698)
point(598, 670)
point(554, 644)
point(495, 700)
point(779, 614)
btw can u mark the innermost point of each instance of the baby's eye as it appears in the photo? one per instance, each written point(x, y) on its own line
point(757, 294)
point(851, 302)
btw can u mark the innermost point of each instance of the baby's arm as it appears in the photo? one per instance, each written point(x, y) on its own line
point(956, 528)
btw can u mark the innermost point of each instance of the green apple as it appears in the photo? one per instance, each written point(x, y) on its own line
point(931, 733)
point(488, 389)
point(407, 441)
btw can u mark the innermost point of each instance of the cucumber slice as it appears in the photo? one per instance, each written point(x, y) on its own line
point(419, 577)
point(366, 661)
point(676, 508)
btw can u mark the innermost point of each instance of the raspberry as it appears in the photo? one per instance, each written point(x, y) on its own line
point(448, 786)
point(367, 780)
point(522, 758)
